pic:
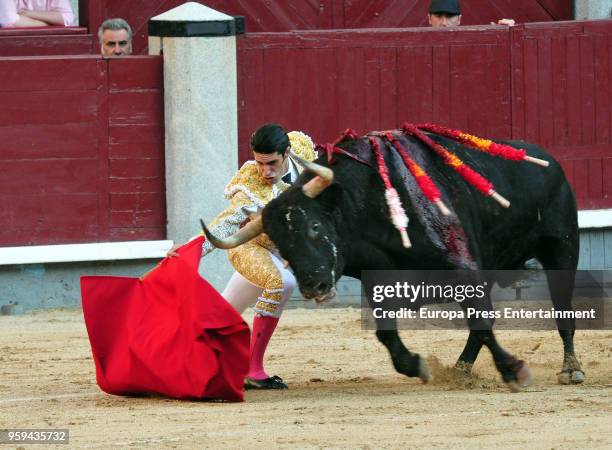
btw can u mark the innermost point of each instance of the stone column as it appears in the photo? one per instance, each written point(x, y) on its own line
point(592, 9)
point(201, 119)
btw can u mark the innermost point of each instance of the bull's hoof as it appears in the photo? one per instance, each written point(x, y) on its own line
point(578, 377)
point(515, 373)
point(523, 379)
point(523, 376)
point(572, 372)
point(413, 366)
point(464, 368)
point(514, 387)
point(564, 378)
point(571, 377)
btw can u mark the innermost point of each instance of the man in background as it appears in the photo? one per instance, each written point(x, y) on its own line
point(115, 36)
point(447, 13)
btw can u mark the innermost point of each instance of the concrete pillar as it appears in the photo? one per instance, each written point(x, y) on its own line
point(201, 119)
point(592, 9)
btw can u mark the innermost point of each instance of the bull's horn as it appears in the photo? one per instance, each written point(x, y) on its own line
point(325, 177)
point(245, 234)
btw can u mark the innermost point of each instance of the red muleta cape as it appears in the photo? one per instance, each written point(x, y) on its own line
point(171, 333)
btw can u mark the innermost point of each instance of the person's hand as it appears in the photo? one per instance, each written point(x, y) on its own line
point(509, 22)
point(172, 252)
point(169, 254)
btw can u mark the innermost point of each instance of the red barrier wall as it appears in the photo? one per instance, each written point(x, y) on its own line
point(81, 150)
point(136, 149)
point(562, 97)
point(45, 41)
point(287, 15)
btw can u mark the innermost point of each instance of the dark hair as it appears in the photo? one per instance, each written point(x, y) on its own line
point(270, 138)
point(115, 25)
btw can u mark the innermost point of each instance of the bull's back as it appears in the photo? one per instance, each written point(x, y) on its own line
point(542, 203)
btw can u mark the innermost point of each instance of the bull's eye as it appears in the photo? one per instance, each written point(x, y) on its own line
point(313, 232)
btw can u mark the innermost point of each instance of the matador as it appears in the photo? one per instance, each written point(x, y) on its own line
point(261, 279)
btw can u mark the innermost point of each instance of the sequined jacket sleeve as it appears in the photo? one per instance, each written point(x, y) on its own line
point(229, 220)
point(248, 193)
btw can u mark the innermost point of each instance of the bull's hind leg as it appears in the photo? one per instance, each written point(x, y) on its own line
point(559, 257)
point(514, 372)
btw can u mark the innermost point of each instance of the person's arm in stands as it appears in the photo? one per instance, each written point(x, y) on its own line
point(45, 17)
point(509, 22)
point(60, 13)
point(24, 21)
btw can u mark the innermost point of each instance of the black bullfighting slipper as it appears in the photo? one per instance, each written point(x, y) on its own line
point(274, 382)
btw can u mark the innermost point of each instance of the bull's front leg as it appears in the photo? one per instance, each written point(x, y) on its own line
point(405, 362)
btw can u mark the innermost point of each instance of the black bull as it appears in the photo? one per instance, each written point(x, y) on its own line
point(346, 228)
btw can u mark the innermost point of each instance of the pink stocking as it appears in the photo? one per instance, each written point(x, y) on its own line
point(263, 327)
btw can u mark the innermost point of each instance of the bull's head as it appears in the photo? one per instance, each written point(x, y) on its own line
point(301, 224)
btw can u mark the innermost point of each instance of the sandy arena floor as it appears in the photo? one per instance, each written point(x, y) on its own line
point(343, 392)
